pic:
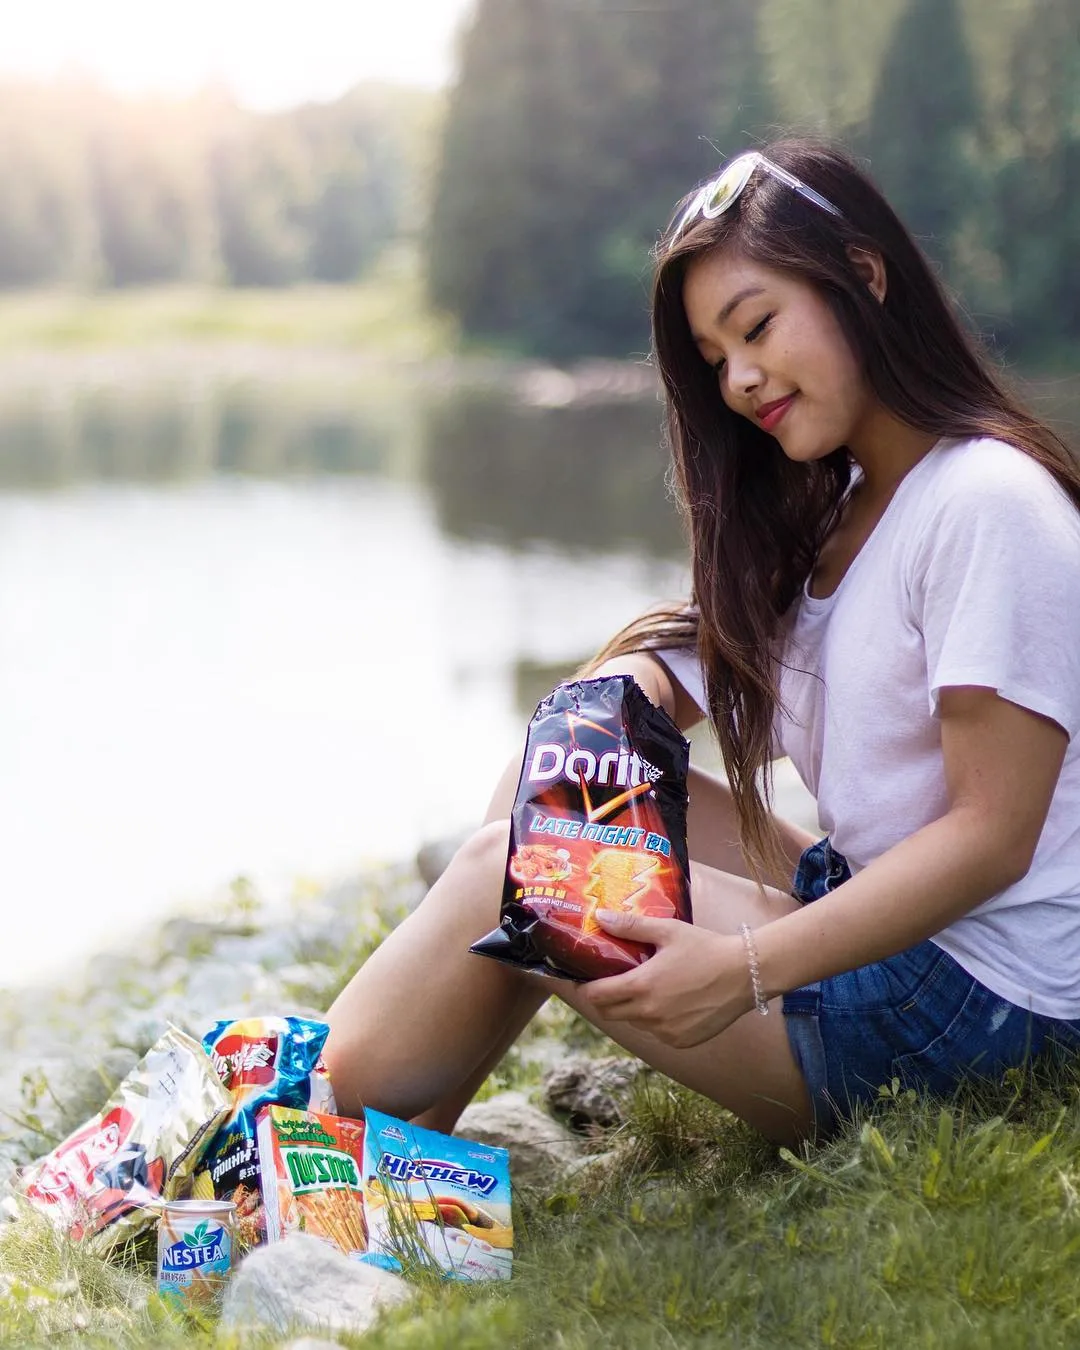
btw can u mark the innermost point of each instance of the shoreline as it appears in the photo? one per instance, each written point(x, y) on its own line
point(72, 1040)
point(160, 364)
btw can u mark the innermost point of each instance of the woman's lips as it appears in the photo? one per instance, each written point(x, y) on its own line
point(769, 414)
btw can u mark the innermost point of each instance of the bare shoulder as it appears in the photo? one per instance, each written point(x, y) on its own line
point(658, 684)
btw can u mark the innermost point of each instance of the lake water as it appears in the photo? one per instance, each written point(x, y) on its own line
point(282, 630)
point(285, 622)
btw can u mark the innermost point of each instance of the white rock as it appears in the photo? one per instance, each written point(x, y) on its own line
point(271, 948)
point(312, 1343)
point(305, 979)
point(83, 1086)
point(434, 858)
point(542, 1150)
point(216, 990)
point(302, 1282)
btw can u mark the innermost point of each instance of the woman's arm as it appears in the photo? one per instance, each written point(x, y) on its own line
point(1001, 767)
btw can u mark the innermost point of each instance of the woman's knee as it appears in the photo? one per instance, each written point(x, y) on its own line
point(485, 846)
point(473, 878)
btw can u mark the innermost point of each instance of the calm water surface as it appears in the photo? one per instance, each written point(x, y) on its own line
point(266, 638)
point(284, 626)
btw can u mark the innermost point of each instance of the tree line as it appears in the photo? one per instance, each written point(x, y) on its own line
point(536, 187)
point(574, 126)
point(104, 191)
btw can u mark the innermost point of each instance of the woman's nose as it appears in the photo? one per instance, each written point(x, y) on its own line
point(743, 376)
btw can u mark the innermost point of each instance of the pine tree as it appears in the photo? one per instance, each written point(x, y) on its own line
point(923, 132)
point(824, 58)
point(1037, 189)
point(572, 130)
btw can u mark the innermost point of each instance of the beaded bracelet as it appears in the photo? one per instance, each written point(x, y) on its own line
point(760, 1001)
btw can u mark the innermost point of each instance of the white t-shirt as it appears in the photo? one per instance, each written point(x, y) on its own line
point(971, 577)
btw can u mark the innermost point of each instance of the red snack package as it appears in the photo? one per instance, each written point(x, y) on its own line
point(599, 822)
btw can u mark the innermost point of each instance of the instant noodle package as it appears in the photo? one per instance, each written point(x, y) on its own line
point(261, 1061)
point(599, 822)
point(107, 1179)
point(436, 1199)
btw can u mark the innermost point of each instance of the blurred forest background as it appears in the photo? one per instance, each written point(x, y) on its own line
point(532, 190)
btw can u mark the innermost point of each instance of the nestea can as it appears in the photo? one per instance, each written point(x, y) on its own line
point(195, 1242)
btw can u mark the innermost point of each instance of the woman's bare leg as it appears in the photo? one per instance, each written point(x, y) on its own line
point(712, 838)
point(423, 1019)
point(421, 1015)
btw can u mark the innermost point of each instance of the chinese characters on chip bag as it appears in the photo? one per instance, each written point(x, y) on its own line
point(599, 823)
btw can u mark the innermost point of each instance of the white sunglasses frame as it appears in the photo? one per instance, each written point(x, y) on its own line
point(739, 171)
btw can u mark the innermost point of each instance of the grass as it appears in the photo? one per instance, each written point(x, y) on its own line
point(385, 315)
point(926, 1224)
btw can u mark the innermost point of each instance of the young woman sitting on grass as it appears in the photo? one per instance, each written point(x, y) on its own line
point(886, 587)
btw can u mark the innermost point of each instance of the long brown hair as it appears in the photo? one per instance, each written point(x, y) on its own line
point(756, 520)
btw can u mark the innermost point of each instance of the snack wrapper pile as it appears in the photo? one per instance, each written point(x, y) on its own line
point(248, 1116)
point(599, 822)
point(261, 1061)
point(106, 1179)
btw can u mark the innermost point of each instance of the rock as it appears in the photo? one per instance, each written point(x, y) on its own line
point(195, 938)
point(592, 1091)
point(218, 989)
point(542, 1150)
point(86, 1087)
point(59, 1093)
point(593, 1172)
point(434, 858)
point(312, 1343)
point(306, 980)
point(386, 893)
point(139, 1028)
point(303, 1282)
point(273, 947)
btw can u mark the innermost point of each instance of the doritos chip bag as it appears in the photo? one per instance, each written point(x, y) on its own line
point(599, 822)
point(105, 1180)
point(262, 1061)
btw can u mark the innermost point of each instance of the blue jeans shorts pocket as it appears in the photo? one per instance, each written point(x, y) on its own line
point(987, 1036)
point(918, 1017)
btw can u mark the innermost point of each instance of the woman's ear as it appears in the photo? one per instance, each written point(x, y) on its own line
point(870, 267)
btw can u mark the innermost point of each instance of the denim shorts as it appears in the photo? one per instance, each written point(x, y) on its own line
point(918, 1017)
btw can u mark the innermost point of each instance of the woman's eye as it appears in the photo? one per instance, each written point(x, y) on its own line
point(718, 366)
point(758, 329)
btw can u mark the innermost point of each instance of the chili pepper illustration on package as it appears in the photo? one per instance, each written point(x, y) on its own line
point(599, 822)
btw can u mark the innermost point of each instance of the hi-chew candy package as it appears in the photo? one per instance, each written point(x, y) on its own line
point(262, 1061)
point(434, 1199)
point(599, 822)
point(106, 1180)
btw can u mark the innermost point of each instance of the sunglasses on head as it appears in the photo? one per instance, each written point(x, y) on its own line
point(724, 190)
